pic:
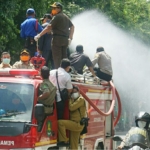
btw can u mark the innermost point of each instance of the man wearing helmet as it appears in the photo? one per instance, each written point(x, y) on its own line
point(30, 28)
point(138, 134)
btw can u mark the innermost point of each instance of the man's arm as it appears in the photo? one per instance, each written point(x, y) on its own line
point(44, 96)
point(46, 29)
point(71, 32)
point(92, 71)
point(95, 61)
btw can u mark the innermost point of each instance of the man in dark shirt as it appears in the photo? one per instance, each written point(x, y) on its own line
point(45, 42)
point(30, 28)
point(63, 30)
point(79, 60)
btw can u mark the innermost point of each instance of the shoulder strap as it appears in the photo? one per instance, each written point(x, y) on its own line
point(57, 82)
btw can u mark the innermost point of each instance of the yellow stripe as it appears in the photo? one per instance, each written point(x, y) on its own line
point(45, 142)
point(99, 91)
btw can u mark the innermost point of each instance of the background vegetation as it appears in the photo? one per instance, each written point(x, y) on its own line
point(130, 15)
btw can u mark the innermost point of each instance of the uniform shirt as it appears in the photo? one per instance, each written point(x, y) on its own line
point(104, 62)
point(64, 80)
point(47, 86)
point(75, 107)
point(61, 24)
point(21, 65)
point(28, 28)
point(2, 66)
point(79, 60)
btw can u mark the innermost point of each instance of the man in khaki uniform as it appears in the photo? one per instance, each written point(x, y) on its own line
point(24, 62)
point(104, 62)
point(62, 29)
point(77, 111)
point(5, 58)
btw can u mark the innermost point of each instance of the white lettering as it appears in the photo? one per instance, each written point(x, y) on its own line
point(6, 142)
point(97, 119)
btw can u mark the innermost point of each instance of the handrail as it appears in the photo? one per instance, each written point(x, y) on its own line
point(96, 108)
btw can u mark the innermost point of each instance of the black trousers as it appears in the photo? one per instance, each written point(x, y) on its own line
point(60, 109)
point(30, 44)
point(103, 75)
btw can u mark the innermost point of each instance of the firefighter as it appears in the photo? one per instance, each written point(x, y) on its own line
point(45, 42)
point(63, 30)
point(138, 134)
point(24, 62)
point(5, 58)
point(77, 111)
point(30, 28)
point(104, 62)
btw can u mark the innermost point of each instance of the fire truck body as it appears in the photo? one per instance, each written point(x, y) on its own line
point(18, 128)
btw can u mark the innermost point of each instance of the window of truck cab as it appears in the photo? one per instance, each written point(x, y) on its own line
point(16, 101)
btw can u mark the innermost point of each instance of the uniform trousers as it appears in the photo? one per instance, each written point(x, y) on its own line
point(75, 130)
point(59, 49)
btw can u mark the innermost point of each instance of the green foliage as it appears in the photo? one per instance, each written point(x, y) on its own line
point(131, 15)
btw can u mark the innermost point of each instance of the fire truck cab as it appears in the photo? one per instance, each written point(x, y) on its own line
point(19, 113)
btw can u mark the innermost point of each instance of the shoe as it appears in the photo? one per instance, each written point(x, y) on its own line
point(62, 144)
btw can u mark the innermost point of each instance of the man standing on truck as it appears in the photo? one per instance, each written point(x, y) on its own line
point(104, 62)
point(78, 60)
point(30, 28)
point(64, 81)
point(5, 58)
point(45, 42)
point(63, 30)
point(24, 62)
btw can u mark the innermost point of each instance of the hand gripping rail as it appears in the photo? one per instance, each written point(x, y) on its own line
point(114, 94)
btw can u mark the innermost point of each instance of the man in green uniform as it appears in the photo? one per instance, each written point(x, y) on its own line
point(48, 91)
point(77, 109)
point(62, 29)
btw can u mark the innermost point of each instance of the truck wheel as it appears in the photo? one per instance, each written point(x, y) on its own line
point(100, 146)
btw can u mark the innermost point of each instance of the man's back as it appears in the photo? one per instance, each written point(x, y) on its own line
point(104, 62)
point(79, 60)
point(64, 80)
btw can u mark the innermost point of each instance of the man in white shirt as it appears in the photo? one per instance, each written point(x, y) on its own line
point(64, 81)
point(103, 60)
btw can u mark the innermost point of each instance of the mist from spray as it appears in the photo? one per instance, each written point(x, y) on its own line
point(130, 57)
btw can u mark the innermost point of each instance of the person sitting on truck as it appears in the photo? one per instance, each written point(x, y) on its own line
point(104, 62)
point(77, 109)
point(78, 60)
point(24, 62)
point(64, 81)
point(138, 134)
point(5, 58)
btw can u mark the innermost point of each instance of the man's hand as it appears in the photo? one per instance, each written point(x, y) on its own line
point(69, 41)
point(37, 37)
point(119, 147)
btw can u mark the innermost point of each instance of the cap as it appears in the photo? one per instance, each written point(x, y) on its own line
point(57, 4)
point(24, 51)
point(30, 11)
point(46, 16)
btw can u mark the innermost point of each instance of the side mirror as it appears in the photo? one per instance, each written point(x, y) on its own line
point(39, 112)
point(117, 138)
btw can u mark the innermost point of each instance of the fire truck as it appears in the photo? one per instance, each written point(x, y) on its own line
point(19, 130)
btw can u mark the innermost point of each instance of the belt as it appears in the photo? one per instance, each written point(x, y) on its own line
point(60, 35)
point(48, 105)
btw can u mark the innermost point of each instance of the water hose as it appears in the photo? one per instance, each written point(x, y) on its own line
point(114, 94)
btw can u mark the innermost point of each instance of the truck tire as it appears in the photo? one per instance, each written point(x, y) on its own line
point(100, 146)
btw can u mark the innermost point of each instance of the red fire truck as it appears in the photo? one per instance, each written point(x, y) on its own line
point(18, 106)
